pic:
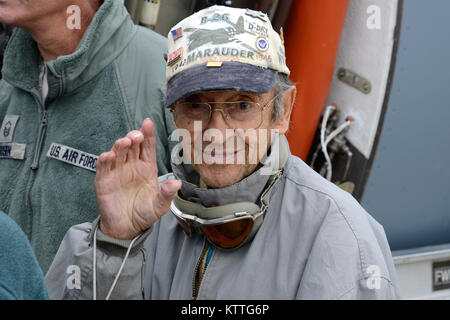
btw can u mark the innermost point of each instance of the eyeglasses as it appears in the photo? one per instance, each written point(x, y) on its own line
point(226, 232)
point(237, 114)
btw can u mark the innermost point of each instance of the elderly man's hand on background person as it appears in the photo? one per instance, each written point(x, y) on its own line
point(129, 196)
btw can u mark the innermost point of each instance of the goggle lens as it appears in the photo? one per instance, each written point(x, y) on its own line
point(229, 235)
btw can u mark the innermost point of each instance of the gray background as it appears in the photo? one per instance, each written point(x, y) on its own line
point(408, 190)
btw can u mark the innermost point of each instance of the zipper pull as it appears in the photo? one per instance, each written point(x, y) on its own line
point(44, 118)
point(40, 141)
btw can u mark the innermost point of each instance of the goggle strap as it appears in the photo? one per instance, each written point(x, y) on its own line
point(217, 212)
point(265, 197)
point(283, 154)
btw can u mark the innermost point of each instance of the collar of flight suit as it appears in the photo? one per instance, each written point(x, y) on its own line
point(109, 32)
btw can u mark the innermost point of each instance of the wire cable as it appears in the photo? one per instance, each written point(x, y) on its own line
point(325, 140)
point(337, 131)
point(94, 266)
point(326, 115)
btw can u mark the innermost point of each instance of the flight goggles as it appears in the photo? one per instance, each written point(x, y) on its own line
point(228, 226)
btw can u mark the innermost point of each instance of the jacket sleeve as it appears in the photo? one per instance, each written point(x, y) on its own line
point(71, 274)
point(350, 259)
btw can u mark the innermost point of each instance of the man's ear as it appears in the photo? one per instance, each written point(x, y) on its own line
point(282, 123)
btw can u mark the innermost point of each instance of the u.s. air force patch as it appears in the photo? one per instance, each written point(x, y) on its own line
point(72, 156)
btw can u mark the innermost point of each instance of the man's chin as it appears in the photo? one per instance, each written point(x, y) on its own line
point(220, 175)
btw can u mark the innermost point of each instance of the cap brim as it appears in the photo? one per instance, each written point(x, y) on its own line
point(230, 76)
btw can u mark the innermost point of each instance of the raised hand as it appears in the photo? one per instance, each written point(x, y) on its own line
point(129, 196)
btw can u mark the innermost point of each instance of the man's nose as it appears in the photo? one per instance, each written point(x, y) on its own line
point(218, 120)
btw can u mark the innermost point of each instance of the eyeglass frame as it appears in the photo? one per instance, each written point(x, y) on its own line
point(211, 109)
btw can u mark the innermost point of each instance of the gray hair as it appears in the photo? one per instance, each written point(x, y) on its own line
point(282, 83)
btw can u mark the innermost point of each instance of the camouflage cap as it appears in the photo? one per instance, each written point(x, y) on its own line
point(223, 48)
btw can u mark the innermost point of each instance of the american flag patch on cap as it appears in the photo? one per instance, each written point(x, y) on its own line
point(177, 33)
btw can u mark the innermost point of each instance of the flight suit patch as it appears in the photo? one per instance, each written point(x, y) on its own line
point(12, 151)
point(8, 127)
point(73, 156)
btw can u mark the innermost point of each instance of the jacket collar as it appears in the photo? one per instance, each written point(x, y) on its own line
point(248, 189)
point(109, 33)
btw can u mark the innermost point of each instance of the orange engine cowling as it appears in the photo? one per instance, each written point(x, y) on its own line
point(312, 36)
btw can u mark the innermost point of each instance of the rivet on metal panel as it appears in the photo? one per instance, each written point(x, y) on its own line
point(354, 80)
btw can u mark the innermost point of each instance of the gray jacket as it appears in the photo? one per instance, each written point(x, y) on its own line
point(316, 242)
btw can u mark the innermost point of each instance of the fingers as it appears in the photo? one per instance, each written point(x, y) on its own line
point(105, 163)
point(148, 147)
point(128, 148)
point(137, 144)
point(121, 149)
point(136, 138)
point(169, 189)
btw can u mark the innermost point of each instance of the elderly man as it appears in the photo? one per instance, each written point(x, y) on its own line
point(239, 218)
point(77, 75)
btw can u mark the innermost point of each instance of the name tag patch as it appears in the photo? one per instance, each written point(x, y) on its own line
point(8, 127)
point(12, 151)
point(73, 156)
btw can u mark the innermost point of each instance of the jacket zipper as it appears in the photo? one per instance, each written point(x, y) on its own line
point(40, 139)
point(144, 257)
point(44, 119)
point(198, 274)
